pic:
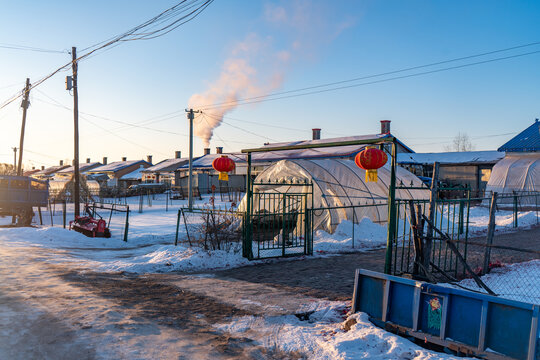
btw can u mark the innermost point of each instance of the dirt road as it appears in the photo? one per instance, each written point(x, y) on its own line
point(54, 310)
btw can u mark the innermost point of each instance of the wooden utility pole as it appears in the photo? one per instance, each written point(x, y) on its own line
point(25, 103)
point(76, 174)
point(190, 116)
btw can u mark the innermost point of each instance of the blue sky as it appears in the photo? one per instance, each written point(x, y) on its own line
point(277, 46)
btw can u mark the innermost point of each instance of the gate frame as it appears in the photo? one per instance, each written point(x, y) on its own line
point(247, 243)
point(384, 139)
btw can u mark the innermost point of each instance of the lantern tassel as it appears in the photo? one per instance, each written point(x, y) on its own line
point(371, 175)
point(223, 176)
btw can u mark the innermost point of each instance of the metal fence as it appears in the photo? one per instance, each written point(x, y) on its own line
point(491, 259)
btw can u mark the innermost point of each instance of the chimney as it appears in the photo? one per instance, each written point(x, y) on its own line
point(219, 150)
point(104, 160)
point(88, 160)
point(316, 134)
point(206, 151)
point(61, 162)
point(33, 168)
point(124, 158)
point(42, 167)
point(385, 126)
point(177, 154)
point(149, 158)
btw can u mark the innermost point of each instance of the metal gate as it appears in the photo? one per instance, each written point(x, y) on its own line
point(451, 217)
point(278, 220)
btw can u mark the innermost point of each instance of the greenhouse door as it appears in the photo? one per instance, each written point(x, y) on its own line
point(279, 225)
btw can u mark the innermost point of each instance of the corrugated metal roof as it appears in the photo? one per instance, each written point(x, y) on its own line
point(50, 170)
point(465, 157)
point(168, 165)
point(117, 166)
point(82, 167)
point(526, 141)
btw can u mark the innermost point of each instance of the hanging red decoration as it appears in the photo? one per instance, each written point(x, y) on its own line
point(371, 159)
point(224, 165)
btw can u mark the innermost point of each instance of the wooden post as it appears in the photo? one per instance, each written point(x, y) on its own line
point(64, 210)
point(431, 215)
point(25, 103)
point(490, 232)
point(40, 216)
point(126, 227)
point(76, 173)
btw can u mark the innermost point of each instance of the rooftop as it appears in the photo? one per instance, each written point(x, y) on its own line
point(526, 141)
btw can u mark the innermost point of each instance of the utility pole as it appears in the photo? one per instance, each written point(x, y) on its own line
point(14, 160)
point(25, 103)
point(76, 174)
point(190, 116)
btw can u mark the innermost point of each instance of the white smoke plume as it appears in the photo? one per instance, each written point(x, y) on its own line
point(238, 79)
point(255, 67)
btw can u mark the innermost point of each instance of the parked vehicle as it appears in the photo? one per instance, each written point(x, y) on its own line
point(150, 188)
point(18, 196)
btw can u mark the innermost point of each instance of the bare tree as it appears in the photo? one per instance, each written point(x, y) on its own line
point(462, 142)
point(6, 169)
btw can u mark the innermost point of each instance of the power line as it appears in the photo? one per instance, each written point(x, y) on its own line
point(30, 48)
point(270, 96)
point(192, 7)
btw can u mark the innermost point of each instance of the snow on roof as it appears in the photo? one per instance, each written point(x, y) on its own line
point(465, 157)
point(82, 167)
point(167, 165)
point(205, 161)
point(526, 141)
point(329, 152)
point(50, 170)
point(134, 175)
point(118, 165)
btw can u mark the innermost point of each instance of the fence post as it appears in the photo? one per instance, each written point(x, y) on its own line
point(431, 215)
point(126, 227)
point(140, 202)
point(64, 210)
point(490, 232)
point(515, 210)
point(353, 218)
point(177, 226)
point(40, 216)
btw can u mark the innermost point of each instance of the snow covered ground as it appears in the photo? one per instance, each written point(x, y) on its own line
point(514, 281)
point(150, 246)
point(327, 331)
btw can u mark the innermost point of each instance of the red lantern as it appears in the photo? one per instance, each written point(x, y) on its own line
point(223, 164)
point(371, 159)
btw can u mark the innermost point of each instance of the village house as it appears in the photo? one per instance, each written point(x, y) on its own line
point(164, 171)
point(111, 174)
point(471, 169)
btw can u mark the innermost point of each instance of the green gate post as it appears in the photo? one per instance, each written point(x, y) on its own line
point(248, 246)
point(391, 212)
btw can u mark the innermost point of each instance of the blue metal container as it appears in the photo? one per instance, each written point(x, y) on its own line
point(468, 322)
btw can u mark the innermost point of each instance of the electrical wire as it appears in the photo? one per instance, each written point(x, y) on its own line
point(30, 48)
point(268, 97)
point(132, 35)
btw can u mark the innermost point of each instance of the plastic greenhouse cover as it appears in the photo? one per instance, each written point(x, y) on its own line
point(336, 183)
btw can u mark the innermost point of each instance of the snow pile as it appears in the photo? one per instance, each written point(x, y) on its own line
point(367, 235)
point(479, 219)
point(515, 281)
point(178, 258)
point(326, 332)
